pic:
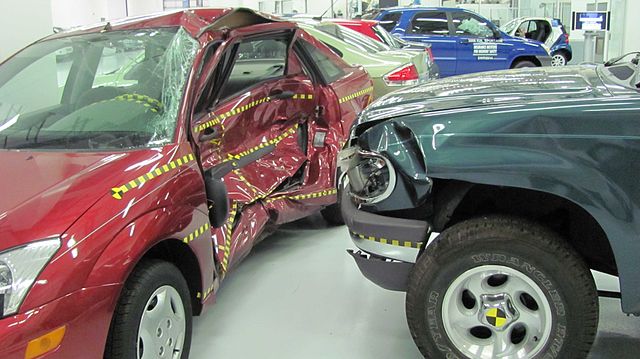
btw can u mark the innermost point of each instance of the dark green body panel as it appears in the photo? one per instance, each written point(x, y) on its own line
point(564, 132)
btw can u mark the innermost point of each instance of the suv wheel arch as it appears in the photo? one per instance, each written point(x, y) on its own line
point(456, 201)
point(519, 59)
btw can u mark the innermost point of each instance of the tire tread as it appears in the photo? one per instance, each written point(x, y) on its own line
point(456, 237)
point(120, 329)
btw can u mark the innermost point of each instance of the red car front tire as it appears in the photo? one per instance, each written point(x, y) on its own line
point(153, 318)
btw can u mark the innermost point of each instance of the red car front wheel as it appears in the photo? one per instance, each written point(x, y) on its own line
point(153, 315)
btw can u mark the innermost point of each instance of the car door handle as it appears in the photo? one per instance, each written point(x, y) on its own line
point(280, 94)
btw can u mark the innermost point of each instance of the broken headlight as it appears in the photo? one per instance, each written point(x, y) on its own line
point(371, 177)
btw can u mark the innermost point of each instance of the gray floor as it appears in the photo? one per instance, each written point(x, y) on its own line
point(299, 295)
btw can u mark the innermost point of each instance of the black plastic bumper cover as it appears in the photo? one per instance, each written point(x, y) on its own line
point(382, 226)
point(391, 275)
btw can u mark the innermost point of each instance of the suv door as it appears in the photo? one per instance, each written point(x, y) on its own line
point(250, 130)
point(479, 47)
point(432, 27)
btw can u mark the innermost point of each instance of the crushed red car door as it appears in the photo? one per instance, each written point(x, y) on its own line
point(253, 137)
point(342, 91)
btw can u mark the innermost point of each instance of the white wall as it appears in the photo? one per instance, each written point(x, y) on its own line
point(143, 7)
point(631, 40)
point(623, 37)
point(71, 13)
point(25, 22)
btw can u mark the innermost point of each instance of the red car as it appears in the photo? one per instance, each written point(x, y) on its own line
point(374, 30)
point(143, 165)
point(370, 28)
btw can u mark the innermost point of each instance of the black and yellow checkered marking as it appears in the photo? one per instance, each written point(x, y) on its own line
point(272, 142)
point(117, 192)
point(496, 317)
point(217, 119)
point(355, 95)
point(393, 242)
point(326, 192)
point(226, 248)
point(197, 233)
point(149, 102)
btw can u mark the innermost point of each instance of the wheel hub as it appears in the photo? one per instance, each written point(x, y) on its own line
point(498, 311)
point(558, 60)
point(494, 311)
point(162, 326)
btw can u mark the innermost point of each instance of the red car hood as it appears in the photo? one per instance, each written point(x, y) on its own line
point(45, 192)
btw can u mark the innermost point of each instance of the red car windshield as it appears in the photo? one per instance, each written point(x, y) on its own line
point(97, 91)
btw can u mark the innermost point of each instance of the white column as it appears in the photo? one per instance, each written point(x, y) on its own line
point(631, 39)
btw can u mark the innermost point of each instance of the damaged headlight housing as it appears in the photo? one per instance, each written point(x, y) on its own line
point(19, 268)
point(371, 177)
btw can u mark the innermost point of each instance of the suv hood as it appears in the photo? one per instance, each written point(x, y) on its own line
point(44, 193)
point(498, 88)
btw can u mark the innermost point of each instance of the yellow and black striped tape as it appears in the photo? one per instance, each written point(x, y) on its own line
point(210, 123)
point(253, 189)
point(150, 102)
point(195, 234)
point(355, 94)
point(117, 192)
point(217, 119)
point(326, 192)
point(228, 231)
point(206, 292)
point(274, 141)
point(393, 242)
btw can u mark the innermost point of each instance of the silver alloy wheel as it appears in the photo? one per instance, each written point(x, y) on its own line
point(558, 60)
point(162, 326)
point(495, 311)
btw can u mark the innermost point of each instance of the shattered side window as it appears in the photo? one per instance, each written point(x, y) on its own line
point(179, 60)
point(466, 24)
point(97, 91)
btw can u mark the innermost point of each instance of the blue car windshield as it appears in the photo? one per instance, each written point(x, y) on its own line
point(96, 91)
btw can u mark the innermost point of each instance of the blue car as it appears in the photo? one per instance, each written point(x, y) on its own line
point(462, 41)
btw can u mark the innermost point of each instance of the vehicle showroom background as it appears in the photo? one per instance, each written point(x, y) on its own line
point(29, 20)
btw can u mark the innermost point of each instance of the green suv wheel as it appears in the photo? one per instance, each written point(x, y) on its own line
point(497, 287)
